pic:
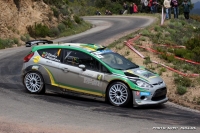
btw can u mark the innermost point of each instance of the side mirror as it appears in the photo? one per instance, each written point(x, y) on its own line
point(82, 67)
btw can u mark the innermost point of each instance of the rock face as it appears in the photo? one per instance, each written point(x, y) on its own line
point(16, 15)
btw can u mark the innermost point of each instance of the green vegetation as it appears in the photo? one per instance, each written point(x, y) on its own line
point(6, 43)
point(181, 90)
point(182, 81)
point(147, 60)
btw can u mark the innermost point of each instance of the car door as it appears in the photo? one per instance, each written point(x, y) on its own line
point(73, 76)
point(51, 58)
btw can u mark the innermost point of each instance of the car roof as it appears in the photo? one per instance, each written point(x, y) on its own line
point(76, 46)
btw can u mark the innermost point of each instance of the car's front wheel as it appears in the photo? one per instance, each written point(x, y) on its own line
point(34, 82)
point(119, 94)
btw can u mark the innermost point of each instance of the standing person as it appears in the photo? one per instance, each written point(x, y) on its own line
point(135, 8)
point(151, 6)
point(167, 5)
point(174, 4)
point(141, 5)
point(186, 8)
point(131, 8)
point(154, 6)
point(125, 8)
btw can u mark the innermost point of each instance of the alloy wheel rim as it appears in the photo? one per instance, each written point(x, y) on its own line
point(33, 82)
point(118, 94)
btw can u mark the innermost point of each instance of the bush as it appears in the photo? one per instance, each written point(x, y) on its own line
point(145, 33)
point(55, 12)
point(181, 90)
point(6, 43)
point(25, 38)
point(147, 60)
point(38, 30)
point(68, 23)
point(65, 11)
point(54, 32)
point(180, 52)
point(77, 19)
point(183, 81)
point(61, 27)
point(198, 100)
point(16, 41)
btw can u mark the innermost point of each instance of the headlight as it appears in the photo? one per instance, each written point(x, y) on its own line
point(142, 84)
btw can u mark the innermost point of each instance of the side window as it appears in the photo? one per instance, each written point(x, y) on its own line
point(104, 69)
point(51, 54)
point(76, 58)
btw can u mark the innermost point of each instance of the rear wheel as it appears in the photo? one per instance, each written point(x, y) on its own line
point(119, 94)
point(34, 82)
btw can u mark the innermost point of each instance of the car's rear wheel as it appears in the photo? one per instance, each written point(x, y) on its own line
point(34, 82)
point(119, 94)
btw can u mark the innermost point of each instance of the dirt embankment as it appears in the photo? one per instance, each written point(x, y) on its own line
point(16, 15)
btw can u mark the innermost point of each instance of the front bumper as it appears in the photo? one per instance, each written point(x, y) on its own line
point(149, 98)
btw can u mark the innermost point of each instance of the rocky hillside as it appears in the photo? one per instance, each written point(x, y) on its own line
point(16, 15)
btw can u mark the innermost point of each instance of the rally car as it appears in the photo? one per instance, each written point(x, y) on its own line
point(92, 71)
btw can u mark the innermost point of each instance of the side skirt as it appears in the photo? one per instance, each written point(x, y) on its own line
point(54, 89)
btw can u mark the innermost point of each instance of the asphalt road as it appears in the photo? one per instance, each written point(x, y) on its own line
point(24, 112)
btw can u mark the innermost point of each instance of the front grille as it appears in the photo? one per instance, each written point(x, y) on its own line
point(159, 94)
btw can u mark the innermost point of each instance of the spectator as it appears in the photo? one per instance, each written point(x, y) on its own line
point(155, 4)
point(125, 8)
point(167, 5)
point(131, 8)
point(98, 12)
point(144, 5)
point(151, 6)
point(174, 4)
point(106, 13)
point(109, 13)
point(186, 8)
point(135, 8)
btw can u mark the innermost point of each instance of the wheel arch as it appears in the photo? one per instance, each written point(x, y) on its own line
point(40, 70)
point(111, 82)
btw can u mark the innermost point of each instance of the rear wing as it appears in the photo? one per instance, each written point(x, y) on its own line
point(37, 42)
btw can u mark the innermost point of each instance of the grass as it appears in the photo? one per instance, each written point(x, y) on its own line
point(76, 29)
point(181, 90)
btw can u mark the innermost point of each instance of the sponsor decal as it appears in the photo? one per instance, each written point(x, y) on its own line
point(98, 55)
point(51, 56)
point(99, 77)
point(35, 67)
point(129, 71)
point(92, 82)
point(137, 93)
point(144, 93)
point(36, 59)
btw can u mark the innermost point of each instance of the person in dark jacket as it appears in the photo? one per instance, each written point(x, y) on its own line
point(186, 8)
point(174, 4)
point(155, 4)
point(125, 8)
point(131, 9)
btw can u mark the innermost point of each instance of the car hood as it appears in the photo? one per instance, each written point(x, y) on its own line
point(145, 74)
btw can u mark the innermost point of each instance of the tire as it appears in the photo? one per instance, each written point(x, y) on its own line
point(119, 94)
point(34, 83)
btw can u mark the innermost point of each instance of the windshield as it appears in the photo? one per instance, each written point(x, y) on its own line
point(117, 61)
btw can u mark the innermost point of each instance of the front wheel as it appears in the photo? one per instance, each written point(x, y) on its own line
point(34, 82)
point(119, 94)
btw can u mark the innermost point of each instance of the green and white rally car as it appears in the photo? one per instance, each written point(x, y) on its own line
point(91, 71)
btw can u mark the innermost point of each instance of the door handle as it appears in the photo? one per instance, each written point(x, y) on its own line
point(65, 69)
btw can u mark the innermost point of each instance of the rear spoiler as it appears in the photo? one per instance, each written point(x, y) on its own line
point(39, 41)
